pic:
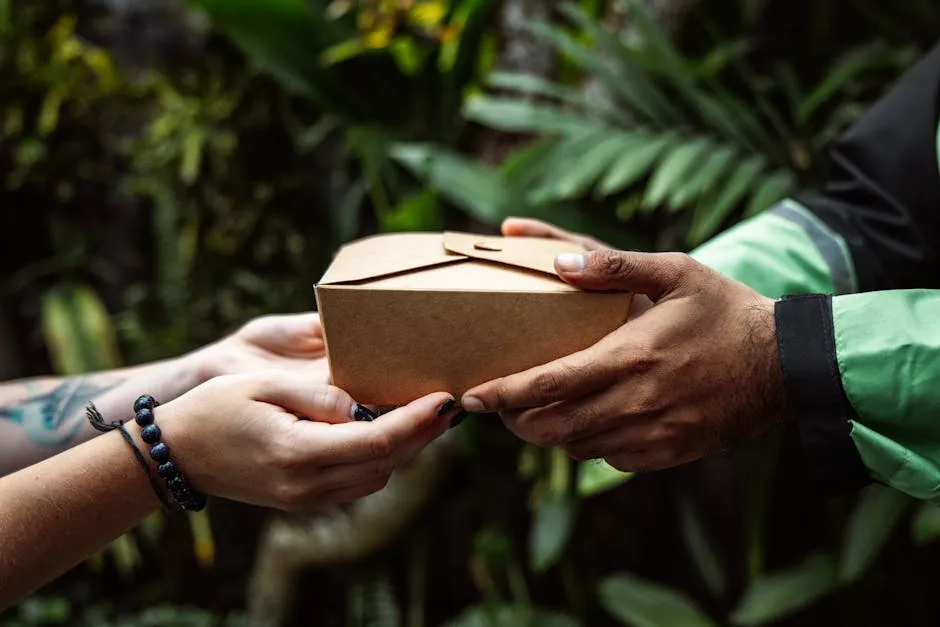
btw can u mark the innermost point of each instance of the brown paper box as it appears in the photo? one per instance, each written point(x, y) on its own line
point(408, 314)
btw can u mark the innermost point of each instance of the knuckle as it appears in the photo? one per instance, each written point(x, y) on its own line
point(647, 397)
point(380, 445)
point(288, 496)
point(548, 384)
point(682, 266)
point(610, 263)
point(285, 455)
point(383, 469)
point(331, 399)
point(545, 436)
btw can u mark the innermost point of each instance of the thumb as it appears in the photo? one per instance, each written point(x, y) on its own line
point(415, 425)
point(295, 393)
point(653, 274)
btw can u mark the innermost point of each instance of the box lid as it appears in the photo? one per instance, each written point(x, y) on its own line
point(383, 255)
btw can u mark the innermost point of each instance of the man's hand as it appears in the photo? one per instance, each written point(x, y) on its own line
point(283, 342)
point(529, 227)
point(694, 374)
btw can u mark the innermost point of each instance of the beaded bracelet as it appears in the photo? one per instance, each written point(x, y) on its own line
point(184, 495)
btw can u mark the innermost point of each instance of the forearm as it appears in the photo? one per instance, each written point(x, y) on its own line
point(863, 376)
point(45, 416)
point(56, 513)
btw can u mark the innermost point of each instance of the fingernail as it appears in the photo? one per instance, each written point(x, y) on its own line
point(362, 414)
point(472, 403)
point(570, 262)
point(446, 407)
point(456, 420)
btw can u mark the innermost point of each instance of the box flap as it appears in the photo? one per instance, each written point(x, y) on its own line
point(382, 255)
point(533, 253)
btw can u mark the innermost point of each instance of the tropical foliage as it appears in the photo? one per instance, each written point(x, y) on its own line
point(184, 197)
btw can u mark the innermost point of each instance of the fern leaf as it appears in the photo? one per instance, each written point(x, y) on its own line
point(635, 164)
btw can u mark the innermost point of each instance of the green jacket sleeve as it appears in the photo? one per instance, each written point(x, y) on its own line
point(785, 250)
point(887, 347)
point(855, 269)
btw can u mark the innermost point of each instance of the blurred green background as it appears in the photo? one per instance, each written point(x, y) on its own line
point(172, 169)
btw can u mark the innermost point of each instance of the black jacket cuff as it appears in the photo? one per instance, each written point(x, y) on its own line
point(817, 405)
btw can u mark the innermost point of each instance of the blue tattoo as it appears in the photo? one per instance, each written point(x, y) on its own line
point(55, 417)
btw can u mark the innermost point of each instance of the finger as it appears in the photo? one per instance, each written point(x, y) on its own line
point(641, 303)
point(294, 392)
point(559, 423)
point(337, 476)
point(569, 377)
point(653, 274)
point(353, 493)
point(529, 227)
point(648, 460)
point(637, 436)
point(390, 437)
point(289, 334)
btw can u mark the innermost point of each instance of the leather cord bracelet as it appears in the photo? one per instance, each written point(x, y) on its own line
point(183, 496)
point(97, 421)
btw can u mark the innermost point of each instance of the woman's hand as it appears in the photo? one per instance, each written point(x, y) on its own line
point(284, 341)
point(239, 437)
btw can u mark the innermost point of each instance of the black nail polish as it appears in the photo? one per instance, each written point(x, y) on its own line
point(446, 407)
point(456, 420)
point(363, 414)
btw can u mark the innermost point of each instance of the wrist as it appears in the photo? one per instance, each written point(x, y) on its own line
point(771, 387)
point(197, 367)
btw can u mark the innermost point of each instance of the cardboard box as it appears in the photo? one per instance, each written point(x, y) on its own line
point(408, 314)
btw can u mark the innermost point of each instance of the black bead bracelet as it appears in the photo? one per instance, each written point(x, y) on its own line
point(184, 495)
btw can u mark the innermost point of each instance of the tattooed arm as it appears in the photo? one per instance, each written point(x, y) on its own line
point(44, 416)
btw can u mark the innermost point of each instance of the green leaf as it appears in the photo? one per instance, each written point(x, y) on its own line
point(706, 559)
point(781, 594)
point(709, 216)
point(409, 58)
point(343, 51)
point(704, 178)
point(78, 330)
point(631, 93)
point(519, 116)
point(345, 214)
point(590, 164)
point(535, 85)
point(475, 188)
point(642, 603)
point(632, 81)
point(598, 476)
point(636, 163)
point(510, 616)
point(551, 529)
point(417, 212)
point(870, 526)
point(775, 187)
point(857, 61)
point(656, 43)
point(926, 526)
point(285, 39)
point(572, 217)
point(557, 163)
point(674, 168)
